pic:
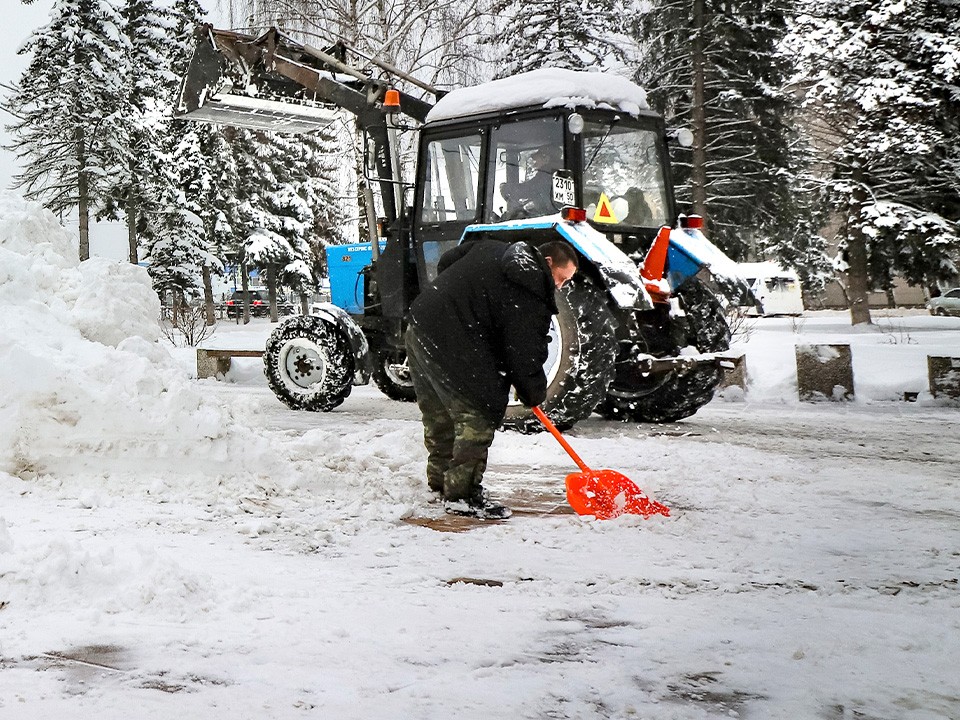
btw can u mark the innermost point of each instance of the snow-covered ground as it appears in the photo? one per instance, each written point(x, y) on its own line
point(180, 548)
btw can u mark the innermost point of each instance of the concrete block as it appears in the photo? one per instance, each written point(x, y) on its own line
point(734, 369)
point(211, 363)
point(944, 374)
point(824, 372)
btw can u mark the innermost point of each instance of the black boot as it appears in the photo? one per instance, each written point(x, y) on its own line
point(478, 505)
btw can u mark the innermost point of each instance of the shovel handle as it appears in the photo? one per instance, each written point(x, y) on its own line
point(541, 416)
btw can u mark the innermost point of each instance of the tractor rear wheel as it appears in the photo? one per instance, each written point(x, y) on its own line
point(391, 374)
point(675, 395)
point(309, 363)
point(580, 363)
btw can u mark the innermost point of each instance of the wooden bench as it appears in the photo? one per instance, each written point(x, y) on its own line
point(211, 363)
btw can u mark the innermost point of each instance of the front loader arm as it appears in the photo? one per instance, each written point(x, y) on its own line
point(271, 82)
point(243, 62)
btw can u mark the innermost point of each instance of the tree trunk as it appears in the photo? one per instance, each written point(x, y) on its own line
point(83, 209)
point(208, 305)
point(245, 286)
point(132, 208)
point(132, 251)
point(83, 196)
point(858, 276)
point(272, 291)
point(179, 307)
point(698, 111)
point(304, 304)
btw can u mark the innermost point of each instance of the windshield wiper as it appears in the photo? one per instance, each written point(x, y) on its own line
point(613, 121)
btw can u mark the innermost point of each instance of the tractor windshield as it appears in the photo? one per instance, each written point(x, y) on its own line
point(525, 155)
point(623, 182)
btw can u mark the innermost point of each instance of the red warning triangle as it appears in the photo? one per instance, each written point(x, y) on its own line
point(604, 212)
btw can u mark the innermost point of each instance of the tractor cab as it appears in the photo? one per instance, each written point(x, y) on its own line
point(517, 164)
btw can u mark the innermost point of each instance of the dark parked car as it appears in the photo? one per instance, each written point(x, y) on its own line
point(946, 304)
point(259, 304)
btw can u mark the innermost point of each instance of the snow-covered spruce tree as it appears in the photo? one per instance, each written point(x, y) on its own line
point(200, 190)
point(192, 206)
point(183, 165)
point(881, 84)
point(294, 216)
point(717, 68)
point(269, 251)
point(176, 263)
point(68, 105)
point(566, 34)
point(276, 221)
point(144, 117)
point(201, 196)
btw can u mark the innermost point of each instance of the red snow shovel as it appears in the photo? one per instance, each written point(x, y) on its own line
point(605, 494)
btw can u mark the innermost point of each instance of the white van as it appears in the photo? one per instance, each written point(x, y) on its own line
point(778, 290)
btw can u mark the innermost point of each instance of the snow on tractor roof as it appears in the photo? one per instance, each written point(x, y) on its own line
point(549, 87)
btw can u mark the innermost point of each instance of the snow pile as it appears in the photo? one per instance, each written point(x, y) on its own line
point(104, 301)
point(79, 361)
point(64, 572)
point(549, 87)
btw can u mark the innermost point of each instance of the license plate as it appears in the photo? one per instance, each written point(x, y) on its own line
point(563, 190)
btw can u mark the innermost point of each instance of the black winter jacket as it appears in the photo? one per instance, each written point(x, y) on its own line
point(484, 323)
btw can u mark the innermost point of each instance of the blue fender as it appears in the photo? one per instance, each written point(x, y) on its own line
point(620, 274)
point(691, 254)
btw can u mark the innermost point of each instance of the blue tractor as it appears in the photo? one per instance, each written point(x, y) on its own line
point(541, 155)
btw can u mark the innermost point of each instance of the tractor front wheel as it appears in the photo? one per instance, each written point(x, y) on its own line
point(675, 394)
point(309, 363)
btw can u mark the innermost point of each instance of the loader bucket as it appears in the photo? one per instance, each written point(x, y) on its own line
point(208, 94)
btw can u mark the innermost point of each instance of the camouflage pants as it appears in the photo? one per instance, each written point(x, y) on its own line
point(456, 435)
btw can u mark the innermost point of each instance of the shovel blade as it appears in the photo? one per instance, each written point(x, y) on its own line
point(606, 494)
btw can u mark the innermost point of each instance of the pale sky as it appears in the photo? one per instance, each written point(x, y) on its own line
point(22, 19)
